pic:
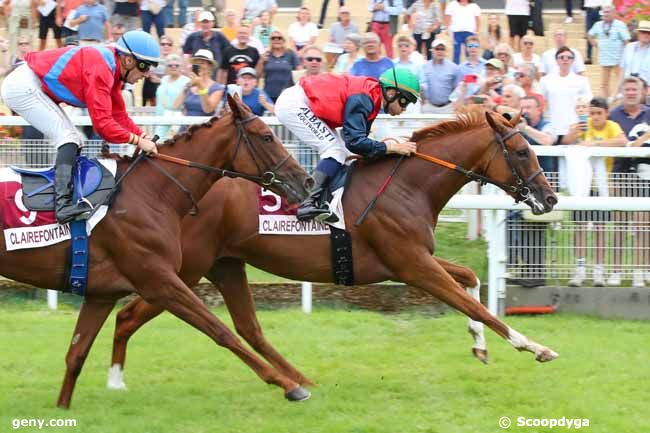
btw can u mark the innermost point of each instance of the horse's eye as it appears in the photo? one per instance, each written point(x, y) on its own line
point(522, 153)
point(268, 138)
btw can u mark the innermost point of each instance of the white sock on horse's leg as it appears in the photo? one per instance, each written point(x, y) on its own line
point(116, 377)
point(476, 328)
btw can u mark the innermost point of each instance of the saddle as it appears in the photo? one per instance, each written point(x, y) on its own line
point(92, 183)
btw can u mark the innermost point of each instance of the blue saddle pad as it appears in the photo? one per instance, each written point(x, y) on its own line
point(38, 184)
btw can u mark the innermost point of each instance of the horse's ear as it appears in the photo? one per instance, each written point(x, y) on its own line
point(233, 103)
point(490, 120)
point(516, 119)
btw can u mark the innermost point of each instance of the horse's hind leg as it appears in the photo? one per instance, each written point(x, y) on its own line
point(419, 269)
point(129, 319)
point(468, 279)
point(174, 296)
point(92, 315)
point(229, 276)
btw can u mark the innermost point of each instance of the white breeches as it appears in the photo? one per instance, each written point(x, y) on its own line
point(292, 109)
point(22, 92)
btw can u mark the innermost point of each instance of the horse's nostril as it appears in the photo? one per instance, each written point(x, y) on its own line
point(308, 184)
point(551, 200)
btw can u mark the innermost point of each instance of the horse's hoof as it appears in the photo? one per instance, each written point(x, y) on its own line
point(298, 394)
point(116, 378)
point(480, 354)
point(546, 355)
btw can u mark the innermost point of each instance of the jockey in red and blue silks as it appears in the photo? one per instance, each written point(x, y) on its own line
point(91, 77)
point(315, 107)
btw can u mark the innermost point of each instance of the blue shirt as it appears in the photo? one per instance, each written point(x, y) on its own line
point(611, 41)
point(365, 68)
point(93, 27)
point(468, 68)
point(253, 101)
point(438, 80)
point(636, 60)
point(277, 73)
point(192, 105)
point(384, 16)
point(216, 43)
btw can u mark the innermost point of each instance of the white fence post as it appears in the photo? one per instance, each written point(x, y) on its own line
point(52, 296)
point(306, 296)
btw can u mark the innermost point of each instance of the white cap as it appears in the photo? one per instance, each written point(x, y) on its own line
point(206, 16)
point(438, 42)
point(203, 54)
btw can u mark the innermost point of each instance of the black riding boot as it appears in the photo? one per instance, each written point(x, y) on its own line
point(66, 209)
point(314, 206)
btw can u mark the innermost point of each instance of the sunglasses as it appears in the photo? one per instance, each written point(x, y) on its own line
point(166, 44)
point(473, 45)
point(23, 43)
point(565, 57)
point(529, 43)
point(277, 38)
point(173, 65)
point(440, 49)
point(503, 54)
point(404, 45)
point(313, 59)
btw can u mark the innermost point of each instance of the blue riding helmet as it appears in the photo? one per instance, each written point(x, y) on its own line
point(141, 45)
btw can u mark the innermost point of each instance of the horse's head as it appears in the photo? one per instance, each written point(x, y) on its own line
point(514, 164)
point(265, 156)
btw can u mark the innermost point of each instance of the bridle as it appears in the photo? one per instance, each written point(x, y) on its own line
point(265, 178)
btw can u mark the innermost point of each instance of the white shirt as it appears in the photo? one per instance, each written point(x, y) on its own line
point(463, 18)
point(517, 7)
point(594, 3)
point(302, 34)
point(518, 59)
point(549, 64)
point(561, 94)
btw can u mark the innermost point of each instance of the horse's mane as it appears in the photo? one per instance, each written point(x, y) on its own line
point(470, 117)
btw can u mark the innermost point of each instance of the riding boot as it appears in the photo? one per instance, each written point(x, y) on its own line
point(66, 208)
point(314, 206)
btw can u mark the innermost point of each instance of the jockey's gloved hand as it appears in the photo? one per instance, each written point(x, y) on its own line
point(144, 143)
point(401, 148)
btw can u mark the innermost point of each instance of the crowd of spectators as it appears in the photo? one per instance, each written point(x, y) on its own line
point(443, 42)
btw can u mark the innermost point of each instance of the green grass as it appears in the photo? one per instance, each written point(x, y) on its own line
point(377, 373)
point(450, 244)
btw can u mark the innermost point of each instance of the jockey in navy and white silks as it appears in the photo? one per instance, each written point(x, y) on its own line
point(90, 77)
point(315, 107)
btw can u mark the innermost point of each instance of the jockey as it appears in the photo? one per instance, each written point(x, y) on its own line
point(317, 105)
point(91, 77)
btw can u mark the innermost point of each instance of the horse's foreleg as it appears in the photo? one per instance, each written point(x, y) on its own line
point(421, 270)
point(129, 319)
point(229, 276)
point(468, 279)
point(92, 316)
point(174, 296)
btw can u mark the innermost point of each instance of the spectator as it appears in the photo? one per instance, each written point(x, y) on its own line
point(277, 64)
point(116, 32)
point(351, 45)
point(202, 94)
point(527, 240)
point(24, 46)
point(373, 64)
point(463, 19)
point(610, 36)
point(562, 89)
point(92, 19)
point(424, 22)
point(474, 64)
point(438, 79)
point(190, 27)
point(525, 77)
point(63, 9)
point(407, 56)
point(238, 55)
point(126, 13)
point(380, 21)
point(168, 13)
point(518, 12)
point(549, 62)
point(527, 54)
point(257, 100)
point(151, 13)
point(232, 24)
point(19, 19)
point(253, 10)
point(206, 38)
point(171, 85)
point(313, 60)
point(152, 81)
point(264, 29)
point(492, 36)
point(46, 13)
point(593, 12)
point(636, 56)
point(340, 29)
point(512, 95)
point(503, 52)
point(302, 32)
point(252, 40)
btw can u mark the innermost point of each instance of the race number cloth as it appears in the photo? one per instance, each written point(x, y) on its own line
point(30, 229)
point(277, 217)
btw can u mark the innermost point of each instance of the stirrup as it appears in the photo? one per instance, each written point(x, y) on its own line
point(327, 216)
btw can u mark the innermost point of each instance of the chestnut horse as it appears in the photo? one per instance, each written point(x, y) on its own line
point(394, 243)
point(137, 246)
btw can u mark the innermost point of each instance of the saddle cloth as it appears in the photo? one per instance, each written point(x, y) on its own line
point(277, 217)
point(29, 222)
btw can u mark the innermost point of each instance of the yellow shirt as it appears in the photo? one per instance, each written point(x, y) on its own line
point(229, 32)
point(611, 130)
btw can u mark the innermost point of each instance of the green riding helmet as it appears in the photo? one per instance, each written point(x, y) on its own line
point(404, 81)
